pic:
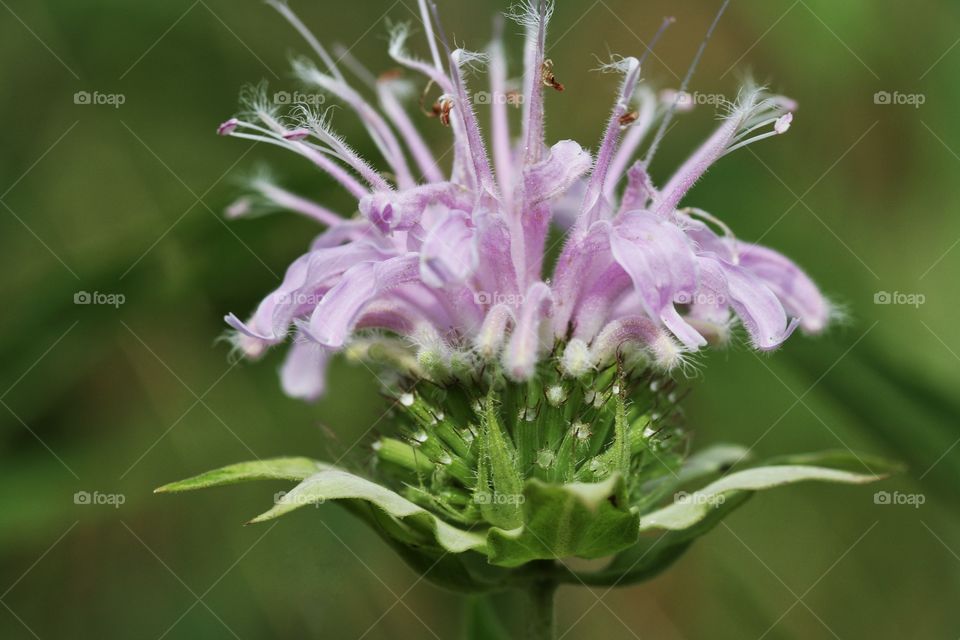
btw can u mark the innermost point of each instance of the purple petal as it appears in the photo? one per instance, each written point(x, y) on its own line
point(261, 325)
point(798, 293)
point(401, 210)
point(520, 357)
point(639, 189)
point(493, 332)
point(707, 242)
point(496, 272)
point(581, 260)
point(303, 374)
point(759, 310)
point(302, 287)
point(449, 251)
point(593, 309)
point(659, 259)
point(346, 231)
point(335, 317)
point(550, 178)
point(637, 331)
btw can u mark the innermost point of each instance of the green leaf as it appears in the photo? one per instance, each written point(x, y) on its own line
point(564, 520)
point(698, 505)
point(652, 555)
point(716, 459)
point(336, 484)
point(841, 459)
point(682, 523)
point(294, 469)
point(704, 464)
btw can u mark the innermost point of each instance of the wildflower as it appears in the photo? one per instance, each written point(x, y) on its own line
point(534, 414)
point(461, 254)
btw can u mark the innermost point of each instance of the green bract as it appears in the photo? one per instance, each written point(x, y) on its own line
point(486, 478)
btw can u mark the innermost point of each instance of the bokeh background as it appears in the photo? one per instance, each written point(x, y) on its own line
point(128, 199)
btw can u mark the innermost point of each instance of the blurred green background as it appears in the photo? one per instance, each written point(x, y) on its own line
point(118, 400)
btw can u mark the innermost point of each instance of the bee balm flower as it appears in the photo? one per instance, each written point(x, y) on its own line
point(534, 417)
point(460, 255)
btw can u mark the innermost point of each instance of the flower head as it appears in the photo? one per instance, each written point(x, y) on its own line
point(533, 417)
point(453, 262)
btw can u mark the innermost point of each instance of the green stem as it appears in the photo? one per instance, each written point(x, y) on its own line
point(541, 623)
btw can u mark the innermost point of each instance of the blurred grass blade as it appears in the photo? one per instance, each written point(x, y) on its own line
point(913, 417)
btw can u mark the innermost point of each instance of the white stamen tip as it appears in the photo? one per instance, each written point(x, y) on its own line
point(240, 208)
point(406, 399)
point(251, 347)
point(576, 360)
point(783, 123)
point(666, 352)
point(555, 395)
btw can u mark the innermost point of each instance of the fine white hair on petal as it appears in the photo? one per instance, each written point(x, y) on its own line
point(527, 12)
point(577, 359)
point(617, 64)
point(254, 102)
point(243, 346)
point(398, 34)
point(667, 353)
point(473, 60)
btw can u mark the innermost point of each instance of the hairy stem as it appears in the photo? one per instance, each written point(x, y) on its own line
point(541, 623)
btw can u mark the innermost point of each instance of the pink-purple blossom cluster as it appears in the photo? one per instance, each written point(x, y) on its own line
point(455, 261)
